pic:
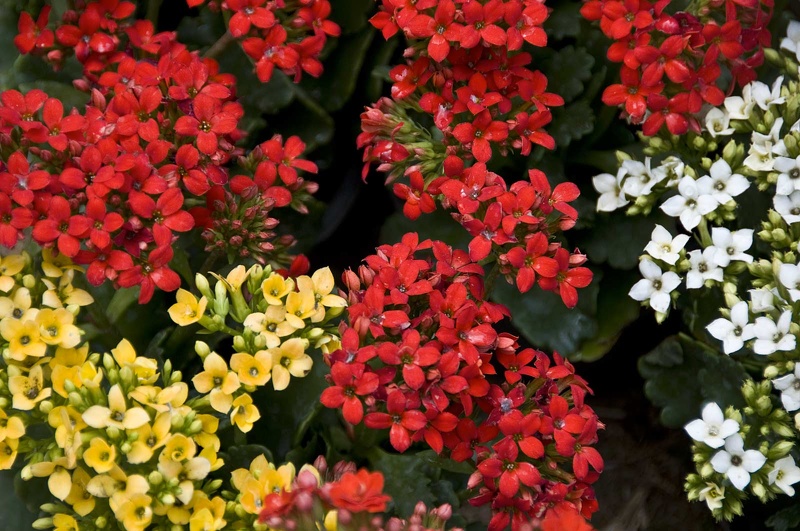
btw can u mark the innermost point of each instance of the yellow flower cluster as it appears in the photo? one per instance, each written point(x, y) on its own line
point(128, 449)
point(273, 321)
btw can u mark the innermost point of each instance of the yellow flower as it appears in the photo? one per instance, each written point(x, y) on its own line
point(65, 522)
point(130, 486)
point(16, 305)
point(328, 343)
point(55, 265)
point(23, 339)
point(161, 399)
point(59, 479)
point(290, 359)
point(136, 513)
point(208, 515)
point(272, 325)
point(10, 266)
point(56, 328)
point(188, 309)
point(186, 473)
point(275, 287)
point(252, 370)
point(209, 453)
point(61, 374)
point(321, 283)
point(70, 357)
point(8, 453)
point(145, 369)
point(235, 278)
point(68, 422)
point(116, 414)
point(10, 427)
point(300, 305)
point(217, 380)
point(79, 498)
point(207, 438)
point(27, 391)
point(149, 439)
point(331, 521)
point(64, 294)
point(244, 413)
point(253, 493)
point(101, 456)
point(108, 484)
point(178, 448)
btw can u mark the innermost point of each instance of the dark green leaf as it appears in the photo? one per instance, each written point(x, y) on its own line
point(351, 15)
point(681, 374)
point(379, 73)
point(202, 30)
point(443, 463)
point(567, 70)
point(541, 317)
point(13, 514)
point(620, 240)
point(571, 122)
point(615, 311)
point(122, 299)
point(408, 479)
point(785, 519)
point(437, 226)
point(180, 264)
point(342, 69)
point(240, 457)
point(564, 21)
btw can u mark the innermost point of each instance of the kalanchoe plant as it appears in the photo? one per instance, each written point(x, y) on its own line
point(746, 151)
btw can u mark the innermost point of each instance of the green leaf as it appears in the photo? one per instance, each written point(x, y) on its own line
point(342, 69)
point(180, 264)
point(571, 122)
point(567, 70)
point(681, 374)
point(122, 299)
point(69, 95)
point(444, 463)
point(785, 519)
point(351, 15)
point(564, 21)
point(541, 317)
point(615, 311)
point(13, 514)
point(619, 240)
point(408, 479)
point(285, 414)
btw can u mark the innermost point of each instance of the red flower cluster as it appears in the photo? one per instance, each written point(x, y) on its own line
point(672, 64)
point(356, 496)
point(108, 187)
point(287, 36)
point(468, 73)
point(419, 356)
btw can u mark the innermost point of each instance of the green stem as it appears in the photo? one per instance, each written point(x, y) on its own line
point(209, 262)
point(219, 46)
point(489, 279)
point(705, 236)
point(153, 9)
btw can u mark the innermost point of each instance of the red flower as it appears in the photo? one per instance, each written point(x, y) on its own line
point(525, 25)
point(152, 272)
point(19, 182)
point(567, 280)
point(358, 492)
point(316, 17)
point(247, 13)
point(516, 364)
point(521, 429)
point(34, 36)
point(578, 448)
point(271, 52)
point(12, 221)
point(486, 232)
point(475, 97)
point(58, 125)
point(503, 464)
point(480, 23)
point(166, 213)
point(479, 133)
point(398, 419)
point(208, 123)
point(417, 200)
point(531, 260)
point(286, 157)
point(62, 226)
point(464, 335)
point(631, 93)
point(673, 112)
point(103, 223)
point(107, 263)
point(351, 381)
point(441, 29)
point(411, 356)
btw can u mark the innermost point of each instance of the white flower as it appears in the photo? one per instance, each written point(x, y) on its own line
point(790, 387)
point(718, 122)
point(771, 337)
point(690, 205)
point(788, 206)
point(784, 475)
point(723, 184)
point(638, 180)
point(703, 267)
point(713, 428)
point(792, 40)
point(764, 96)
point(761, 300)
point(763, 148)
point(736, 463)
point(655, 286)
point(670, 169)
point(731, 245)
point(713, 495)
point(611, 195)
point(734, 332)
point(664, 247)
point(741, 107)
point(789, 177)
point(789, 275)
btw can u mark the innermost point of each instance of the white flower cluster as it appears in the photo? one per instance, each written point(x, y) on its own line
point(635, 179)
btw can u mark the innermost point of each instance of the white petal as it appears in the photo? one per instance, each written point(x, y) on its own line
point(642, 290)
point(739, 477)
point(674, 206)
point(712, 414)
point(660, 302)
point(737, 184)
point(784, 382)
point(728, 428)
point(690, 218)
point(670, 281)
point(649, 269)
point(753, 460)
point(739, 313)
point(720, 328)
point(661, 235)
point(605, 182)
point(697, 430)
point(721, 461)
point(734, 444)
point(720, 170)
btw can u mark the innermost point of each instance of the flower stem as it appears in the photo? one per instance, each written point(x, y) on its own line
point(218, 47)
point(153, 9)
point(489, 279)
point(209, 262)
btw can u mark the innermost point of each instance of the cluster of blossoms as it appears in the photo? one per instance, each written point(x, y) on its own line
point(418, 357)
point(112, 186)
point(273, 321)
point(126, 443)
point(342, 498)
point(288, 36)
point(468, 75)
point(748, 146)
point(673, 64)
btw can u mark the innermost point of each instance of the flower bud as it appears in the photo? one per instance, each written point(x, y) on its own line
point(202, 349)
point(239, 344)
